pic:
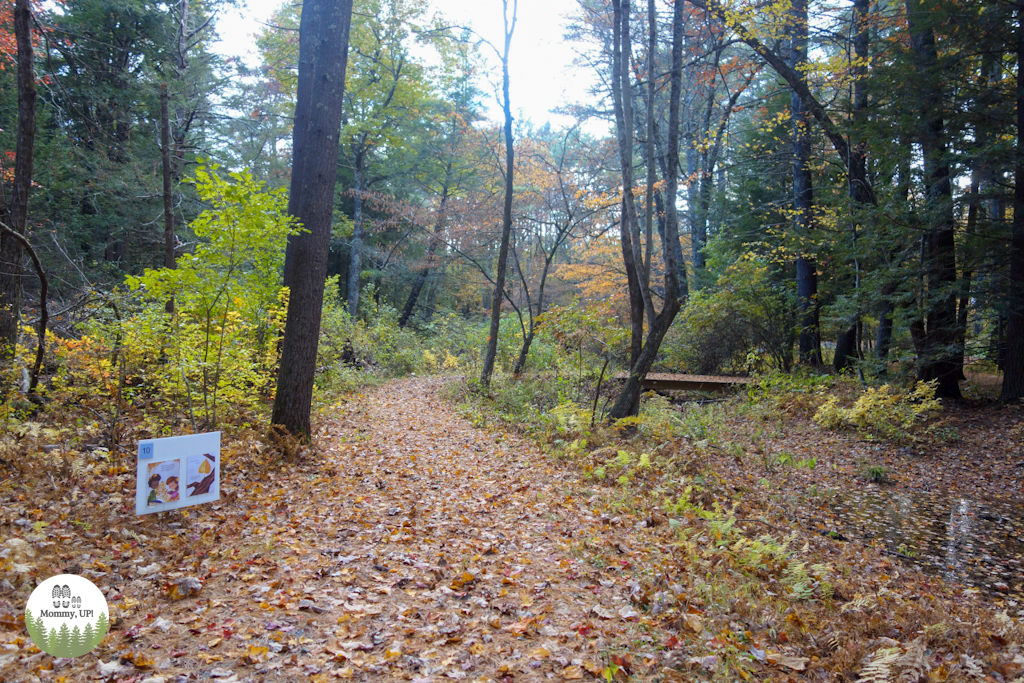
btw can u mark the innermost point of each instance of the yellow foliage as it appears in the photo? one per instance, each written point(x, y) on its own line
point(884, 411)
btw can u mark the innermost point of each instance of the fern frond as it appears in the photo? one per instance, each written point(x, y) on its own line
point(858, 605)
point(913, 665)
point(879, 670)
point(971, 668)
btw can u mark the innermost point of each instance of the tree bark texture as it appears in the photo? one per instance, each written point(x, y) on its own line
point(1013, 366)
point(323, 57)
point(12, 251)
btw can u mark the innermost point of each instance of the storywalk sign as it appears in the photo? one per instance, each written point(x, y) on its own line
point(177, 472)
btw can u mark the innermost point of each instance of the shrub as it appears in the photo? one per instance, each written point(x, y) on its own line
point(741, 324)
point(215, 348)
point(883, 411)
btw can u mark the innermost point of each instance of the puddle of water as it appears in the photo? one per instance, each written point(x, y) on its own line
point(976, 542)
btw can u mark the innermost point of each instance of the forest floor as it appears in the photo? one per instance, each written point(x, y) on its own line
point(413, 546)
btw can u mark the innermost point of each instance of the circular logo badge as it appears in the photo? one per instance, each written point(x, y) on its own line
point(66, 615)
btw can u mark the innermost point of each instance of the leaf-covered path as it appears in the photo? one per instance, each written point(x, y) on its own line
point(416, 547)
point(454, 552)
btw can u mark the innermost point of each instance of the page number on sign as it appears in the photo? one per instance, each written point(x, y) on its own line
point(145, 451)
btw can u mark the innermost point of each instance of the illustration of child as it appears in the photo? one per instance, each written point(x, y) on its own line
point(154, 482)
point(172, 489)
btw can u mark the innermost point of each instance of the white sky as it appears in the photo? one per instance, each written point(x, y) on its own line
point(541, 73)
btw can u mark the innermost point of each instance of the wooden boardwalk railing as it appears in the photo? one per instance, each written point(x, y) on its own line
point(668, 382)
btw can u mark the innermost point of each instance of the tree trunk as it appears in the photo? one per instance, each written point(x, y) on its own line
point(659, 209)
point(506, 218)
point(524, 350)
point(165, 167)
point(624, 129)
point(435, 239)
point(11, 250)
point(803, 196)
point(846, 349)
point(847, 346)
point(652, 47)
point(323, 57)
point(963, 309)
point(355, 261)
point(1013, 367)
point(884, 336)
point(628, 401)
point(935, 359)
point(698, 225)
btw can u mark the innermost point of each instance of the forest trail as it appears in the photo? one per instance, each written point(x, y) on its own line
point(456, 553)
point(413, 546)
point(416, 547)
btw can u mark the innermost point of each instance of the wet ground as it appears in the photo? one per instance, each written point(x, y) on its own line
point(975, 542)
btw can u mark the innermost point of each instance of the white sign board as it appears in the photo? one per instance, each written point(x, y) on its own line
point(177, 472)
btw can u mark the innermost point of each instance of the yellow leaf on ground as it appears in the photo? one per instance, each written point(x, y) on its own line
point(255, 654)
point(142, 661)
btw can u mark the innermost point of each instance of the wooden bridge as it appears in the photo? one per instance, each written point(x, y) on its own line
point(668, 382)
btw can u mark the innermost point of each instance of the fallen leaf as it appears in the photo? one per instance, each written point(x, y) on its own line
point(572, 673)
point(254, 654)
point(142, 661)
point(694, 621)
point(788, 661)
point(184, 587)
point(627, 613)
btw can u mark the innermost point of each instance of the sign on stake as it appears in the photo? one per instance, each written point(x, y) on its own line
point(177, 472)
